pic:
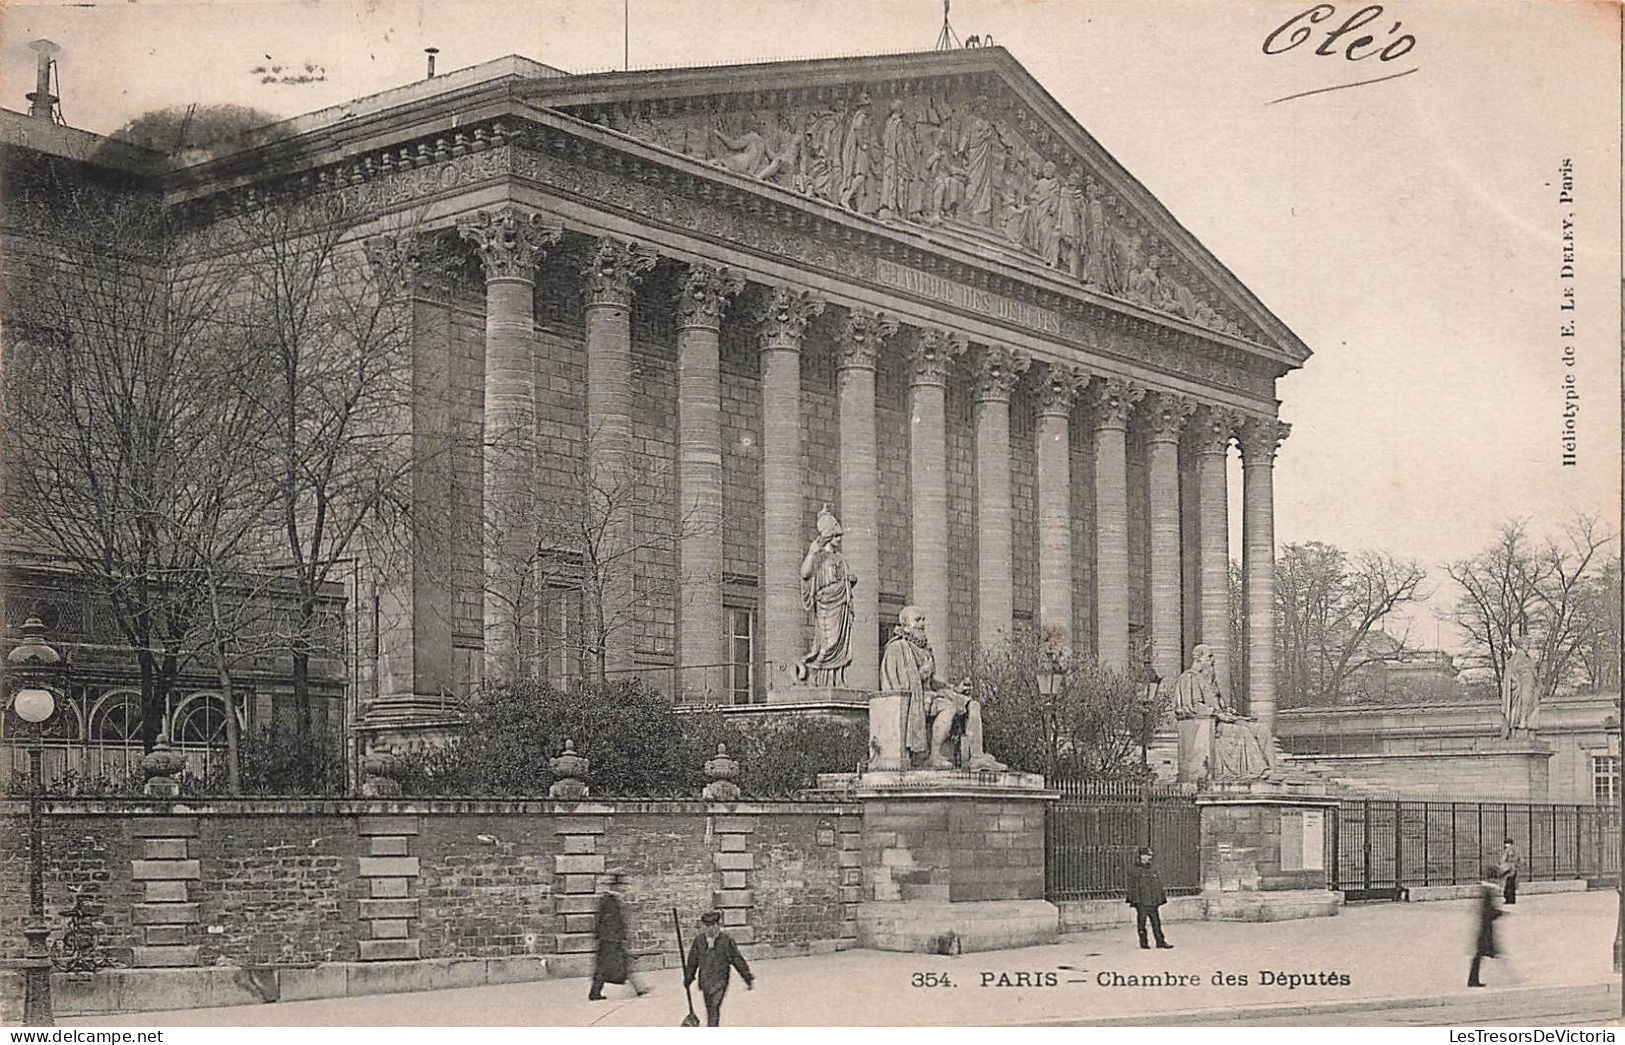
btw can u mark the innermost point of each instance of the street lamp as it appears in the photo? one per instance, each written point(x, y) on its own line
point(31, 664)
point(1148, 706)
point(1050, 680)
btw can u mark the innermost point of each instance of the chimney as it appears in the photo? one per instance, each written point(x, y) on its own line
point(431, 52)
point(41, 102)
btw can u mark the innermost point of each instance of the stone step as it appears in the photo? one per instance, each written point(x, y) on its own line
point(164, 957)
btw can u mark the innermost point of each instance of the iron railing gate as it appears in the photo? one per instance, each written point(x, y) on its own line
point(1378, 848)
point(1093, 834)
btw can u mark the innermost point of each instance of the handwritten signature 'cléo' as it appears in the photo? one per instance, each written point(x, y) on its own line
point(1298, 30)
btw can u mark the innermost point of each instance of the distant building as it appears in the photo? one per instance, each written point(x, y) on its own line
point(1580, 728)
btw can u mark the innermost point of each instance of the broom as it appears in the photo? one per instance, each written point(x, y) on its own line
point(690, 1020)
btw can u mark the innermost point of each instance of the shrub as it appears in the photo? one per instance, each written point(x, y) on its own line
point(781, 755)
point(1089, 728)
point(271, 762)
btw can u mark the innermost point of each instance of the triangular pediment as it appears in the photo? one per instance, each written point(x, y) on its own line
point(964, 147)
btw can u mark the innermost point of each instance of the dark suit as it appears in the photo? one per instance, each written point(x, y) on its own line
point(1146, 895)
point(1484, 946)
point(712, 962)
point(610, 964)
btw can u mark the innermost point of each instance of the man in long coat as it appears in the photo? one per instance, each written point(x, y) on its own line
point(611, 964)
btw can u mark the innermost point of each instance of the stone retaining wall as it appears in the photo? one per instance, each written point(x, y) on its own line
point(289, 883)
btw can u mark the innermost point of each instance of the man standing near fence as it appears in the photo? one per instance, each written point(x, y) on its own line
point(1511, 863)
point(1146, 895)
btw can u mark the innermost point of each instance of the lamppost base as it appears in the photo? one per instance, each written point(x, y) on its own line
point(36, 964)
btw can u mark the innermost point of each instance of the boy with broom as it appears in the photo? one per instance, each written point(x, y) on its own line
point(712, 959)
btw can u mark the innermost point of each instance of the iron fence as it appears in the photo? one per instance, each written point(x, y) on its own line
point(1093, 834)
point(1378, 848)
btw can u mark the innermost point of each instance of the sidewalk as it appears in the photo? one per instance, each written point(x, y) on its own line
point(1390, 953)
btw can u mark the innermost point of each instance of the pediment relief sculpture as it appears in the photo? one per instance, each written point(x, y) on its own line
point(947, 161)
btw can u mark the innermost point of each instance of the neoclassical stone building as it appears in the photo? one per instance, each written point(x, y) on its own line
point(910, 287)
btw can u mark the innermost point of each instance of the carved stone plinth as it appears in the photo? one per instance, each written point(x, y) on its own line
point(1264, 853)
point(953, 861)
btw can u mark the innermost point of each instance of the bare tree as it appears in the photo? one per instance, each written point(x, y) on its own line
point(1331, 612)
point(1599, 602)
point(328, 331)
point(1519, 586)
point(122, 417)
point(603, 539)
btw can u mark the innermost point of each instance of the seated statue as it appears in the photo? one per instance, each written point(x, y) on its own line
point(1216, 743)
point(908, 666)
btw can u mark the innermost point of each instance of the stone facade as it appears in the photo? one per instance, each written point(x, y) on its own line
point(603, 227)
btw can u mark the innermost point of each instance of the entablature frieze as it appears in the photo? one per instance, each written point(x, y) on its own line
point(739, 217)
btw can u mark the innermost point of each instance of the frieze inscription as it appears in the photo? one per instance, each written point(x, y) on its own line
point(971, 299)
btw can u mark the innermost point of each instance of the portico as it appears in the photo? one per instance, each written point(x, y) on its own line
point(748, 331)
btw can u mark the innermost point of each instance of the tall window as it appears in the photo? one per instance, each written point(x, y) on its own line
point(741, 655)
point(1605, 779)
point(561, 634)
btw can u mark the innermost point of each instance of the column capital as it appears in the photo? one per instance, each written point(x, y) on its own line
point(510, 241)
point(784, 317)
point(1213, 427)
point(997, 371)
point(1260, 438)
point(704, 294)
point(1165, 415)
point(396, 260)
point(1059, 388)
point(932, 352)
point(1112, 399)
point(613, 270)
point(864, 331)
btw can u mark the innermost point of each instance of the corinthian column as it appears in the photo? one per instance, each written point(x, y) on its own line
point(509, 242)
point(1111, 400)
point(1165, 417)
point(784, 323)
point(612, 273)
point(930, 356)
point(1057, 393)
point(997, 370)
point(861, 339)
point(1260, 437)
point(704, 296)
point(414, 605)
point(1212, 430)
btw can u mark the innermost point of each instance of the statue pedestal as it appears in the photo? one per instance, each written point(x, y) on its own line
point(1263, 853)
point(1494, 770)
point(953, 861)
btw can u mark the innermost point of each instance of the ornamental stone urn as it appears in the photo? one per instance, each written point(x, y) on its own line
point(723, 769)
point(160, 767)
point(381, 772)
point(570, 773)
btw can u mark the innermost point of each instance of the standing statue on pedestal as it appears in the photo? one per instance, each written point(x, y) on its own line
point(826, 592)
point(909, 666)
point(1520, 700)
point(1216, 743)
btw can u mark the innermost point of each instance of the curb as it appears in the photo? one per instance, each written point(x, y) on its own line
point(1606, 991)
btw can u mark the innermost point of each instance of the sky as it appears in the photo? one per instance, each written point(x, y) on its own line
point(1408, 230)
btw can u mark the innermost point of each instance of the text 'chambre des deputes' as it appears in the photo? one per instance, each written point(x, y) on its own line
point(1565, 282)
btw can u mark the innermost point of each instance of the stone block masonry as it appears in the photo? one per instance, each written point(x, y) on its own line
point(165, 919)
point(389, 912)
point(287, 885)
